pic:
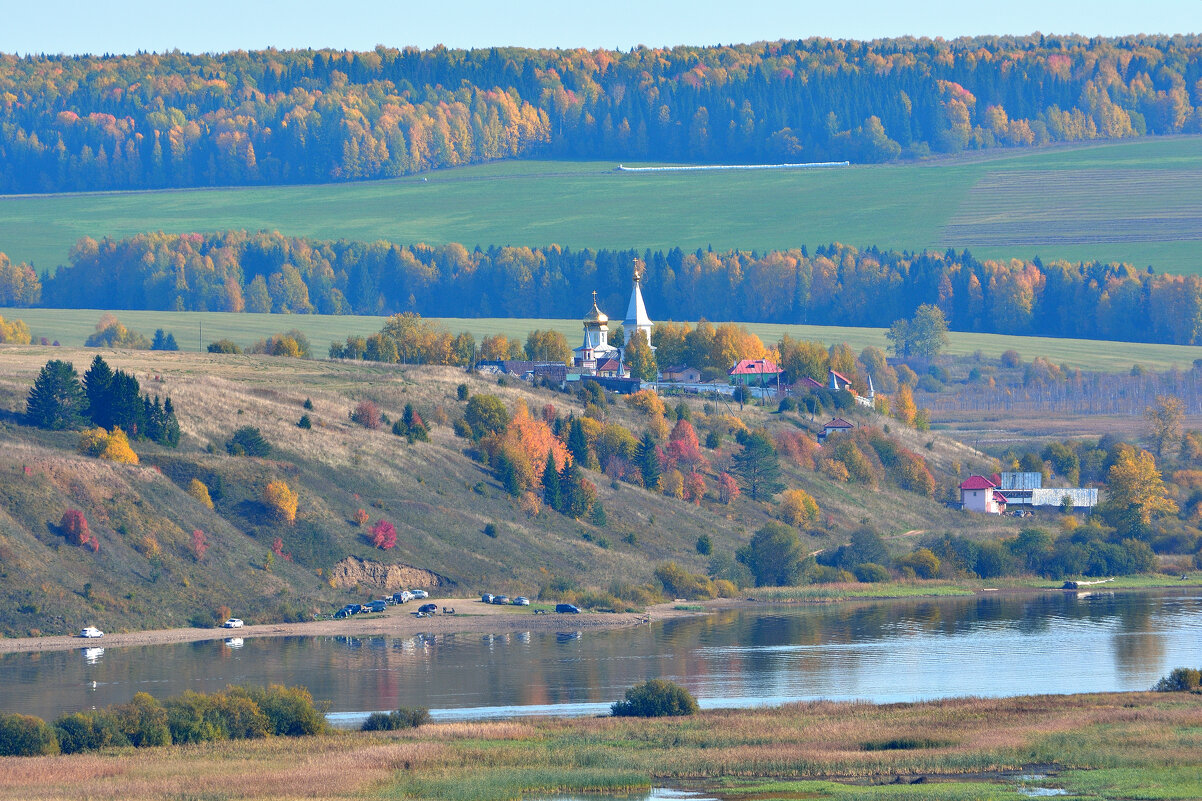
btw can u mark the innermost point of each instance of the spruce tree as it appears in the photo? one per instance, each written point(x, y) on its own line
point(170, 343)
point(574, 503)
point(647, 459)
point(578, 442)
point(551, 490)
point(98, 385)
point(127, 408)
point(57, 400)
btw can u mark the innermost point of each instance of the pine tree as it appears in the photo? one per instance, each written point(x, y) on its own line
point(57, 400)
point(170, 424)
point(574, 500)
point(98, 384)
point(128, 409)
point(170, 343)
point(552, 495)
point(647, 459)
point(758, 467)
point(160, 340)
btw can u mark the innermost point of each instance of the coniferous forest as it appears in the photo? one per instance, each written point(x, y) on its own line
point(176, 120)
point(836, 284)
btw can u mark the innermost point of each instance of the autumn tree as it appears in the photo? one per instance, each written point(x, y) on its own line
point(728, 488)
point(383, 535)
point(904, 408)
point(74, 527)
point(548, 346)
point(486, 414)
point(1136, 492)
point(200, 492)
point(367, 414)
point(57, 399)
point(281, 502)
point(774, 555)
point(639, 357)
point(200, 544)
point(797, 507)
point(684, 449)
point(1164, 423)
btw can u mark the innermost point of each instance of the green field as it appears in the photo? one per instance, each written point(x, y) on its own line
point(1138, 201)
point(193, 330)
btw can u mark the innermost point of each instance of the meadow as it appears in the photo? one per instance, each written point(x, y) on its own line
point(1138, 201)
point(195, 330)
point(1099, 746)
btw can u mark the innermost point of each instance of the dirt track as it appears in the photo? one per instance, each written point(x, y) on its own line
point(471, 616)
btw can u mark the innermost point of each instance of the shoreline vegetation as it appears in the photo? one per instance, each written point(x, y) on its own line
point(474, 617)
point(1097, 746)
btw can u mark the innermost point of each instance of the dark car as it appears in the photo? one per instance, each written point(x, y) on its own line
point(428, 609)
point(347, 611)
point(568, 609)
point(375, 606)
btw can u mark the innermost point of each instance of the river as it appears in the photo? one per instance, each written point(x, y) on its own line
point(887, 651)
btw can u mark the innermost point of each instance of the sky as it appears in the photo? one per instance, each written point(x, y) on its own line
point(127, 26)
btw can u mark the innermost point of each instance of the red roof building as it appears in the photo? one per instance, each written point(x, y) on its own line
point(979, 494)
point(834, 427)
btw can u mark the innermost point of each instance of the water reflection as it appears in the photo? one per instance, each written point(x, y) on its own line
point(92, 655)
point(993, 644)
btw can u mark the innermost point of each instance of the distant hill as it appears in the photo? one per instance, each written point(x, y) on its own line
point(147, 573)
point(268, 117)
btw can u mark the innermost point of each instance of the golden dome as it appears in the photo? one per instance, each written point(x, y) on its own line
point(596, 315)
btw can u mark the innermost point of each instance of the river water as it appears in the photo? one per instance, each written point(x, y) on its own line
point(988, 645)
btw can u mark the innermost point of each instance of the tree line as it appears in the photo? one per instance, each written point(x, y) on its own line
point(173, 119)
point(836, 284)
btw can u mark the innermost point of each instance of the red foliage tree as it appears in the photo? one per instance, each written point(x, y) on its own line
point(728, 488)
point(75, 527)
point(383, 535)
point(368, 415)
point(684, 449)
point(277, 548)
point(199, 544)
point(694, 488)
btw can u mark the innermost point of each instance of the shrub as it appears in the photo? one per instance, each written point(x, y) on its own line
point(198, 490)
point(797, 507)
point(361, 517)
point(304, 422)
point(655, 698)
point(247, 441)
point(89, 731)
point(143, 721)
point(231, 715)
point(1179, 680)
point(199, 544)
point(871, 573)
point(461, 392)
point(490, 530)
point(679, 583)
point(402, 718)
point(368, 415)
point(383, 535)
point(1011, 358)
point(281, 501)
point(25, 735)
point(74, 527)
point(224, 346)
point(705, 545)
point(290, 711)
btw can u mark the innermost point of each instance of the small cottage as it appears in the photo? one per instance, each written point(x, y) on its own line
point(835, 426)
point(979, 494)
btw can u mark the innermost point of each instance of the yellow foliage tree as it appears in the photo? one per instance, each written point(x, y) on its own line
point(118, 450)
point(200, 492)
point(1136, 490)
point(673, 484)
point(904, 408)
point(797, 507)
point(92, 441)
point(527, 441)
point(14, 332)
point(281, 501)
point(647, 402)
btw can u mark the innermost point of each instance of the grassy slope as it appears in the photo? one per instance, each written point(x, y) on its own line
point(1137, 201)
point(193, 330)
point(438, 498)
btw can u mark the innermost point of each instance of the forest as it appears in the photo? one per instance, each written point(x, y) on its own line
point(71, 123)
point(237, 271)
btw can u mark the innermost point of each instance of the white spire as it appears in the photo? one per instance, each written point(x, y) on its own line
point(636, 312)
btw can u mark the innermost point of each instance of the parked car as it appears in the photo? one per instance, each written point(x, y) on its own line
point(376, 606)
point(428, 609)
point(500, 599)
point(90, 632)
point(486, 598)
point(347, 611)
point(567, 609)
point(521, 600)
point(420, 594)
point(233, 623)
point(402, 597)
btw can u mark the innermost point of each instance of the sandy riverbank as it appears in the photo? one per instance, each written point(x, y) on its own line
point(471, 616)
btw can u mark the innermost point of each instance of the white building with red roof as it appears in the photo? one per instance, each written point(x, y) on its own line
point(835, 426)
point(979, 494)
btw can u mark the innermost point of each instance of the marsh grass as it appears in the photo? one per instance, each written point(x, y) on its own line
point(1136, 745)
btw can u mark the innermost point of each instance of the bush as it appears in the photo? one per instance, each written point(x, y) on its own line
point(400, 719)
point(224, 346)
point(290, 711)
point(1180, 680)
point(655, 698)
point(871, 573)
point(679, 583)
point(231, 715)
point(490, 530)
point(74, 527)
point(25, 735)
point(281, 501)
point(461, 392)
point(143, 721)
point(247, 441)
point(368, 415)
point(89, 731)
point(198, 490)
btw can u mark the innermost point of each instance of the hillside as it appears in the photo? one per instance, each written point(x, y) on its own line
point(146, 573)
point(1118, 201)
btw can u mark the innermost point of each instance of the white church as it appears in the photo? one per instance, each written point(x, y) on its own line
point(597, 355)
